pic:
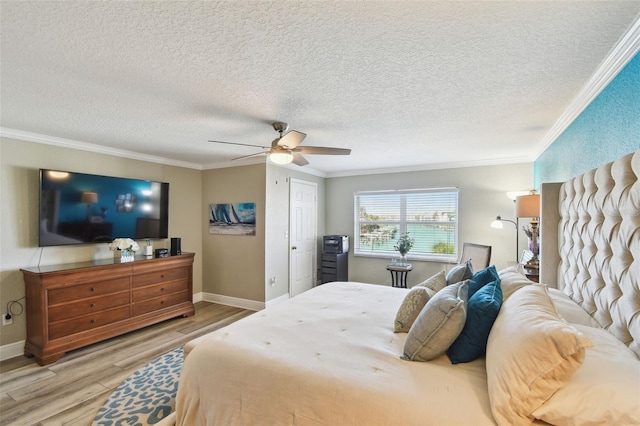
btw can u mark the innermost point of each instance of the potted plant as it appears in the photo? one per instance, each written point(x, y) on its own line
point(403, 246)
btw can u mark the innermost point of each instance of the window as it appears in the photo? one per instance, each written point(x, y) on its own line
point(430, 216)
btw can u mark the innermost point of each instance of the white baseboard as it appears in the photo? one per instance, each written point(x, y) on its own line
point(197, 297)
point(253, 305)
point(11, 350)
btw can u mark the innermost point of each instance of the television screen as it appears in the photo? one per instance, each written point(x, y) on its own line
point(78, 208)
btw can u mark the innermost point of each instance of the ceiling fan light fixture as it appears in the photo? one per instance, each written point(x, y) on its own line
point(281, 157)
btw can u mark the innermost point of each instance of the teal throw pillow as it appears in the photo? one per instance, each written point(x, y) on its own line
point(482, 311)
point(482, 278)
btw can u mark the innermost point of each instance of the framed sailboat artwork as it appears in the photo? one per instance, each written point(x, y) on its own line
point(232, 219)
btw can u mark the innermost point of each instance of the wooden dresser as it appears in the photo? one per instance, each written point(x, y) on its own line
point(74, 305)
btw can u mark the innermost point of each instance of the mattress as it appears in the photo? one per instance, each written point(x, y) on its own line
point(328, 356)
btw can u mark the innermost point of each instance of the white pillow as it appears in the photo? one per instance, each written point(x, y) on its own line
point(531, 353)
point(604, 391)
point(511, 280)
point(570, 310)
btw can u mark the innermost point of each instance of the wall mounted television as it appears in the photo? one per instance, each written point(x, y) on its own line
point(79, 208)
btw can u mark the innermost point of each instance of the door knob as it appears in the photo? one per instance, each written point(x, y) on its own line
point(294, 248)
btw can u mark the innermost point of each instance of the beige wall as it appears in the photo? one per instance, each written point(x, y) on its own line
point(482, 196)
point(234, 264)
point(20, 162)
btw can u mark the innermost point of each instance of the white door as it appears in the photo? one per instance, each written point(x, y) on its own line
point(302, 236)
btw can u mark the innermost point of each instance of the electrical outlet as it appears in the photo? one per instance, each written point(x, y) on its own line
point(6, 321)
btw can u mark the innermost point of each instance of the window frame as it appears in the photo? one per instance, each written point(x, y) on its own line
point(403, 222)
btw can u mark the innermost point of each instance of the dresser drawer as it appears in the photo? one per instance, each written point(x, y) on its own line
point(66, 294)
point(160, 289)
point(160, 303)
point(87, 306)
point(160, 276)
point(87, 322)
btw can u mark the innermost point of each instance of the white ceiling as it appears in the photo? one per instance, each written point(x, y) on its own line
point(404, 84)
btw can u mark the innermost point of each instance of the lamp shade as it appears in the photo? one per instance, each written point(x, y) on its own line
point(89, 197)
point(528, 205)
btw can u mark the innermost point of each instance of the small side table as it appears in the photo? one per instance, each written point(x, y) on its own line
point(399, 273)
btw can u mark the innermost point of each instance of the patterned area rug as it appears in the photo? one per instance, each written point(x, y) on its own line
point(147, 396)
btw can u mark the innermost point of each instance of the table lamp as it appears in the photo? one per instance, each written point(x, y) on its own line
point(529, 206)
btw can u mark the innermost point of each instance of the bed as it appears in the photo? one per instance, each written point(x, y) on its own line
point(356, 353)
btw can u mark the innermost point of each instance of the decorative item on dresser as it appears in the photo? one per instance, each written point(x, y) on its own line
point(74, 305)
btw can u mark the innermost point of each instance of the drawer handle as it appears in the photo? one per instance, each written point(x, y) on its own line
point(161, 275)
point(162, 302)
point(93, 289)
point(93, 321)
point(93, 305)
point(162, 289)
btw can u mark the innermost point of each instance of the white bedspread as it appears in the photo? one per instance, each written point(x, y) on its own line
point(328, 356)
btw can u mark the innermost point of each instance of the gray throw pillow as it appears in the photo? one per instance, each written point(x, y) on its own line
point(410, 308)
point(461, 272)
point(436, 282)
point(438, 325)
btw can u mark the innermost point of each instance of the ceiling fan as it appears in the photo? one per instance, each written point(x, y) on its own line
point(286, 149)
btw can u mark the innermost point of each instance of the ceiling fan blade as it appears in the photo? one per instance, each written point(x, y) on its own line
point(292, 139)
point(249, 156)
point(299, 160)
point(241, 144)
point(321, 150)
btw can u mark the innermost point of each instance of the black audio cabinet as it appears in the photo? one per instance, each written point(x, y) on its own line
point(335, 258)
point(335, 267)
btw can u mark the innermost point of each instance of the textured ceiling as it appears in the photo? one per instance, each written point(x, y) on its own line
point(403, 84)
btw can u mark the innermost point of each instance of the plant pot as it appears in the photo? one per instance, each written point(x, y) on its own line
point(124, 256)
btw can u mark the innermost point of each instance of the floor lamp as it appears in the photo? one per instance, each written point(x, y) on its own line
point(498, 224)
point(529, 206)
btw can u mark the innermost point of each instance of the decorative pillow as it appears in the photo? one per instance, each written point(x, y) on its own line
point(461, 272)
point(511, 280)
point(604, 391)
point(482, 278)
point(411, 306)
point(482, 310)
point(570, 310)
point(436, 282)
point(531, 353)
point(438, 324)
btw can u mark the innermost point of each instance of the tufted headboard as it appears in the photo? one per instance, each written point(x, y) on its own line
point(599, 245)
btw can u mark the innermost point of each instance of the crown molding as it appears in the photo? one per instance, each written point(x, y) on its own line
point(235, 163)
point(439, 166)
point(99, 149)
point(263, 160)
point(626, 48)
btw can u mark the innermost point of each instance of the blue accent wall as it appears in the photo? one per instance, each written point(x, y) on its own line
point(605, 131)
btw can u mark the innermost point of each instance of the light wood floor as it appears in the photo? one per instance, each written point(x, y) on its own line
point(72, 390)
